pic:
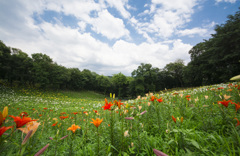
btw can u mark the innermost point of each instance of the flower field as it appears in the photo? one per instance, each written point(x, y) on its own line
point(199, 121)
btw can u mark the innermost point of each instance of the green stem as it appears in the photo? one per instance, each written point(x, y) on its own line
point(98, 141)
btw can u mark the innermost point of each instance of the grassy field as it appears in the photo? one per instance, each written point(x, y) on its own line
point(200, 121)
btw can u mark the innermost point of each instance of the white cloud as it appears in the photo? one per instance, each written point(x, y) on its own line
point(75, 47)
point(120, 6)
point(230, 1)
point(194, 31)
point(168, 16)
point(109, 26)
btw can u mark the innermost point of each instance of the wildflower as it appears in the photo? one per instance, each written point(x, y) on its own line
point(126, 134)
point(220, 88)
point(45, 108)
point(159, 153)
point(3, 129)
point(129, 118)
point(55, 119)
point(27, 137)
point(21, 121)
point(143, 112)
point(41, 150)
point(73, 128)
point(75, 113)
point(63, 113)
point(174, 119)
point(149, 103)
point(224, 102)
point(160, 100)
point(5, 112)
point(63, 137)
point(226, 96)
point(237, 105)
point(1, 118)
point(139, 107)
point(23, 114)
point(30, 126)
point(107, 105)
point(181, 119)
point(206, 97)
point(118, 103)
point(187, 96)
point(152, 98)
point(54, 124)
point(63, 117)
point(238, 123)
point(97, 122)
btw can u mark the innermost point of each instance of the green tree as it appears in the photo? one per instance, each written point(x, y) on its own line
point(175, 70)
point(5, 54)
point(144, 79)
point(103, 83)
point(41, 69)
point(76, 79)
point(21, 66)
point(121, 83)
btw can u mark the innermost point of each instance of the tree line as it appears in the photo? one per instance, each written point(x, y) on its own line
point(212, 61)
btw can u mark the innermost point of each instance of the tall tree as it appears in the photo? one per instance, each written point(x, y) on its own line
point(121, 83)
point(175, 70)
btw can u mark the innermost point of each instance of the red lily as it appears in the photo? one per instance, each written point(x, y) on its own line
point(174, 119)
point(3, 129)
point(238, 123)
point(107, 105)
point(21, 121)
point(224, 102)
point(237, 105)
point(152, 98)
point(160, 100)
point(63, 117)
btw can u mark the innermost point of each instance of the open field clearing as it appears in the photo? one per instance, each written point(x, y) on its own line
point(200, 121)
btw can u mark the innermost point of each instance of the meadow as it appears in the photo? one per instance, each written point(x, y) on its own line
point(197, 121)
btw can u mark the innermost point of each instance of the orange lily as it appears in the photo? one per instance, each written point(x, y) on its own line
point(30, 126)
point(73, 128)
point(152, 98)
point(97, 122)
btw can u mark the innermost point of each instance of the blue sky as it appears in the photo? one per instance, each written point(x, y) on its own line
point(111, 36)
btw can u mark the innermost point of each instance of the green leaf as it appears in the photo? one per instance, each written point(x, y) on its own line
point(194, 143)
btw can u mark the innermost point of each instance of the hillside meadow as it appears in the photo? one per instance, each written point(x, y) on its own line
point(197, 121)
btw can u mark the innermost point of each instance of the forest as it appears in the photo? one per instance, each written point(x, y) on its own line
point(213, 61)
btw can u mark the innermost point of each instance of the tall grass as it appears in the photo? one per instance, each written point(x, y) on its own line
point(204, 124)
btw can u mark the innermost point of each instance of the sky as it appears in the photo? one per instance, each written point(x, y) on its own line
point(111, 36)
